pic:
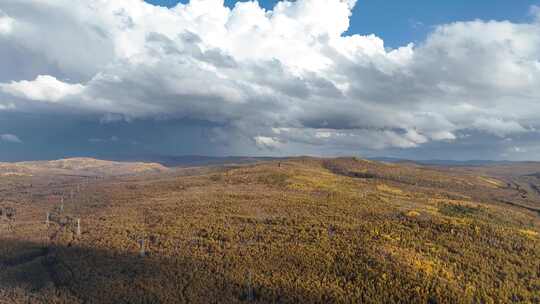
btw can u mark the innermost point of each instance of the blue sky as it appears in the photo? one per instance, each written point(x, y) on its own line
point(399, 22)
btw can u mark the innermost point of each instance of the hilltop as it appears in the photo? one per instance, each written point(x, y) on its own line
point(295, 230)
point(79, 166)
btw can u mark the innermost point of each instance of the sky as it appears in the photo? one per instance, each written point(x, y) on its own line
point(399, 22)
point(411, 79)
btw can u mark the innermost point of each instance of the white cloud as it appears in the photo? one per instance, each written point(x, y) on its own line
point(498, 127)
point(347, 140)
point(7, 106)
point(102, 140)
point(10, 138)
point(44, 87)
point(269, 143)
point(518, 150)
point(6, 23)
point(535, 11)
point(279, 77)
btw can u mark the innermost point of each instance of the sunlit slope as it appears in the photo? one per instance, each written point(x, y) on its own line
point(78, 166)
point(302, 230)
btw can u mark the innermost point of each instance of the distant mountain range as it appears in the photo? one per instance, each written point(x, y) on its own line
point(201, 160)
point(443, 162)
point(192, 160)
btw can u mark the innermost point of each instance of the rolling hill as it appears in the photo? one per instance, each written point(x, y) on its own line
point(304, 229)
point(79, 166)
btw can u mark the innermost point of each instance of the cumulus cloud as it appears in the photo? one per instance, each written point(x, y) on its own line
point(10, 138)
point(104, 140)
point(6, 23)
point(7, 106)
point(44, 88)
point(267, 142)
point(277, 77)
point(498, 127)
point(535, 12)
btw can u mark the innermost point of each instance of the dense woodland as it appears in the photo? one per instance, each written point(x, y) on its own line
point(301, 230)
